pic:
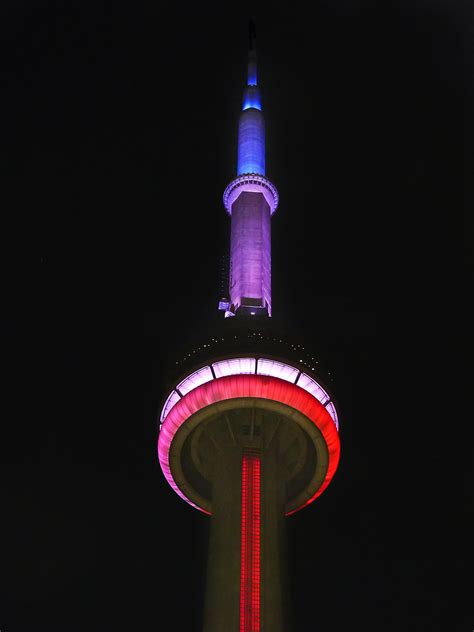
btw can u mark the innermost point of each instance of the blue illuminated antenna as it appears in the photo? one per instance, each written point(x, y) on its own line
point(252, 65)
point(251, 92)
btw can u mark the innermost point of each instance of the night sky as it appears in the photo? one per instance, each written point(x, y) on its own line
point(119, 137)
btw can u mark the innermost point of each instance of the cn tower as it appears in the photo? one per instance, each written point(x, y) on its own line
point(249, 429)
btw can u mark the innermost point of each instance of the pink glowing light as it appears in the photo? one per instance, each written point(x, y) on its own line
point(195, 379)
point(313, 387)
point(332, 411)
point(235, 366)
point(277, 369)
point(173, 397)
point(259, 386)
point(238, 366)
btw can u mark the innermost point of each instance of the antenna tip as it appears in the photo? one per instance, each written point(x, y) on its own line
point(252, 34)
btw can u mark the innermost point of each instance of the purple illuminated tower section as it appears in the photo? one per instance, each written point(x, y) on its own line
point(250, 199)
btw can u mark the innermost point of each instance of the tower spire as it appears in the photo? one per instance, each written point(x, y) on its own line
point(252, 63)
point(251, 92)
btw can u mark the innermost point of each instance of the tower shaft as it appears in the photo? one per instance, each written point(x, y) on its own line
point(246, 549)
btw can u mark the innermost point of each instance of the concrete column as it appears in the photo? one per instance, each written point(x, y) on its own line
point(222, 604)
point(274, 597)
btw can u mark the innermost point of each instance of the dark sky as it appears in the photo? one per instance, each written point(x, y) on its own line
point(119, 138)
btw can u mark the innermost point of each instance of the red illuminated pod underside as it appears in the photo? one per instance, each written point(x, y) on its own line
point(259, 386)
point(250, 544)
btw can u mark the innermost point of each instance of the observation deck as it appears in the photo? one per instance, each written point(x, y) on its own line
point(249, 401)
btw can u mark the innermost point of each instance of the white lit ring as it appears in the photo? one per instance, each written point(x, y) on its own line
point(254, 183)
point(250, 365)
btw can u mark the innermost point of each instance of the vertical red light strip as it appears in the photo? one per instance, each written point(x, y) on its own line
point(243, 547)
point(256, 545)
point(250, 544)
